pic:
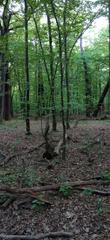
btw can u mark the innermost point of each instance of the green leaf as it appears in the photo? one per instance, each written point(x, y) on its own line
point(88, 192)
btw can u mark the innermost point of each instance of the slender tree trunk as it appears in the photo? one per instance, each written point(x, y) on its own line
point(52, 87)
point(61, 77)
point(107, 86)
point(22, 99)
point(66, 68)
point(51, 75)
point(87, 82)
point(2, 97)
point(1, 86)
point(101, 99)
point(7, 95)
point(41, 97)
point(22, 92)
point(27, 70)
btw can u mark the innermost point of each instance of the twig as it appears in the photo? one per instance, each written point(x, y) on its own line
point(95, 192)
point(37, 237)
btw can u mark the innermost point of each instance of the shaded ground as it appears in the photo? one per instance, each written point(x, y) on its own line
point(88, 155)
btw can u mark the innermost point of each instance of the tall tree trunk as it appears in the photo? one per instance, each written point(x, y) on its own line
point(5, 98)
point(109, 48)
point(87, 82)
point(66, 67)
point(107, 86)
point(1, 87)
point(52, 87)
point(50, 74)
point(40, 90)
point(7, 95)
point(27, 70)
point(61, 77)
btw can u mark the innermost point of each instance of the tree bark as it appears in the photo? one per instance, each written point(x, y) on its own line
point(52, 87)
point(66, 68)
point(5, 107)
point(61, 78)
point(27, 71)
point(107, 86)
point(88, 94)
point(101, 99)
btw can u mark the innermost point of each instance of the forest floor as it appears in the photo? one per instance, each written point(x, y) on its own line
point(87, 216)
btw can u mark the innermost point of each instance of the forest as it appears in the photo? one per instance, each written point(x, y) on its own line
point(55, 119)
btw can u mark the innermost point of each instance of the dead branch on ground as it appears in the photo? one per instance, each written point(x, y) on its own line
point(14, 193)
point(55, 187)
point(95, 192)
point(37, 237)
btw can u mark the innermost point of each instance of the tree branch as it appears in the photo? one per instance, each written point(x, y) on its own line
point(37, 237)
point(55, 187)
point(84, 30)
point(16, 27)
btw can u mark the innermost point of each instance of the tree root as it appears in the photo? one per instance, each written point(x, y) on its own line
point(37, 237)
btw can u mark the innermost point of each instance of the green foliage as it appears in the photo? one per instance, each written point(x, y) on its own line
point(105, 175)
point(38, 204)
point(66, 190)
point(30, 177)
point(88, 192)
point(7, 178)
point(78, 15)
point(27, 177)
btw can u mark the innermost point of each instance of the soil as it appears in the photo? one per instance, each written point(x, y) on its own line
point(87, 156)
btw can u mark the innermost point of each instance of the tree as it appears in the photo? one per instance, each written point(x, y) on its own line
point(107, 86)
point(52, 77)
point(88, 94)
point(5, 88)
point(66, 66)
point(27, 69)
point(61, 76)
point(46, 64)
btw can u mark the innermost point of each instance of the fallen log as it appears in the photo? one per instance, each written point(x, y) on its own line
point(15, 193)
point(55, 187)
point(37, 237)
